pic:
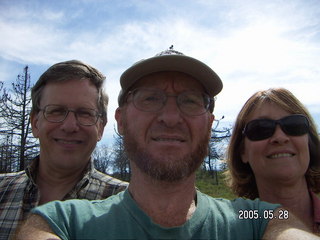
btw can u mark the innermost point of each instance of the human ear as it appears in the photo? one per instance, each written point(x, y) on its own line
point(243, 155)
point(101, 125)
point(211, 119)
point(119, 117)
point(34, 118)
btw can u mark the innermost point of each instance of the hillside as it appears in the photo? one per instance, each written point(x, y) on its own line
point(207, 185)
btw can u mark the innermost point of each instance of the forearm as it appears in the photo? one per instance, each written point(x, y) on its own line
point(35, 228)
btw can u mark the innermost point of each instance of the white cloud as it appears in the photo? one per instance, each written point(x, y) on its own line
point(252, 45)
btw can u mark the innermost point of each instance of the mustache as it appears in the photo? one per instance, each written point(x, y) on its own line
point(173, 169)
point(176, 130)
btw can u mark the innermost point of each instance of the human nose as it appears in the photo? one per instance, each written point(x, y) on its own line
point(170, 113)
point(279, 136)
point(70, 123)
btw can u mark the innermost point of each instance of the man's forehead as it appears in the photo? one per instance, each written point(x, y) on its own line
point(177, 80)
point(66, 86)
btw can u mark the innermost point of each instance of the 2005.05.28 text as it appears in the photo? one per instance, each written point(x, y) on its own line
point(266, 214)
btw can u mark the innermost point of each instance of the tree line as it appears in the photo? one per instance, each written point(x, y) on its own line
point(18, 146)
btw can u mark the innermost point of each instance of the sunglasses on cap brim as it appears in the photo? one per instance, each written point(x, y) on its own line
point(260, 129)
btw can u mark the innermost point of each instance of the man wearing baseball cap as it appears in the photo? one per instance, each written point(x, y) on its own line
point(165, 117)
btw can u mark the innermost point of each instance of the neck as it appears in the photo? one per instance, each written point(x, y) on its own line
point(55, 183)
point(166, 203)
point(295, 197)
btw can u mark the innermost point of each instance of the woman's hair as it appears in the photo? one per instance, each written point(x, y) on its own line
point(69, 70)
point(240, 176)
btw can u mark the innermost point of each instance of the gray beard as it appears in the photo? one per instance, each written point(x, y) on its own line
point(170, 169)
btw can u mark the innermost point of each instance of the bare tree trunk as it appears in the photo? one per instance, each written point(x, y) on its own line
point(23, 122)
point(15, 122)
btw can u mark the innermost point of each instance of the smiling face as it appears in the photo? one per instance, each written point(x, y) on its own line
point(67, 145)
point(280, 158)
point(167, 144)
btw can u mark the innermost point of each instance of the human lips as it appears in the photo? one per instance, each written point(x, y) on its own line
point(68, 141)
point(280, 155)
point(167, 138)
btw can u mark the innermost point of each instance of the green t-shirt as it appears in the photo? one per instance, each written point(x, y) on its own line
point(119, 217)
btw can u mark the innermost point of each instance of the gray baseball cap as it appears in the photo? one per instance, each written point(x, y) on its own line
point(171, 60)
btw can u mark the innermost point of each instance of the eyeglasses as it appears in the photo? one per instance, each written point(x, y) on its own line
point(260, 129)
point(58, 113)
point(191, 103)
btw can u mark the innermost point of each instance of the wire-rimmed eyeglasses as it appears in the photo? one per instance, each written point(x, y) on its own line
point(192, 103)
point(58, 113)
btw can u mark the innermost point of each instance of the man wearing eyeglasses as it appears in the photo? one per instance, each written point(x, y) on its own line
point(165, 116)
point(68, 117)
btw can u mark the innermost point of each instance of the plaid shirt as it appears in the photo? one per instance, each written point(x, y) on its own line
point(19, 193)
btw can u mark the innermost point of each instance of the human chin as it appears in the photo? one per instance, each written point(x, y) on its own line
point(167, 166)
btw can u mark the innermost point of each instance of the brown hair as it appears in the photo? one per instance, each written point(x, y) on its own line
point(240, 176)
point(68, 70)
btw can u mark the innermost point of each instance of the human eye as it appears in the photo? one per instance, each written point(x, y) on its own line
point(86, 113)
point(55, 110)
point(149, 97)
point(192, 100)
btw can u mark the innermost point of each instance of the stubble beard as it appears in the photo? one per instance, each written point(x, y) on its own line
point(166, 167)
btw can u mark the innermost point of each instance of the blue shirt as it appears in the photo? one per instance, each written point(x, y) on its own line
point(119, 217)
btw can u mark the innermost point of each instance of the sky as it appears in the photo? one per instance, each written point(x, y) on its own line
point(251, 45)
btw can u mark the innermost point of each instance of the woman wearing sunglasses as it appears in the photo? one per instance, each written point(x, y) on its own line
point(274, 154)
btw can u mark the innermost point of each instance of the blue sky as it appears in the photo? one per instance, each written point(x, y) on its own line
point(251, 45)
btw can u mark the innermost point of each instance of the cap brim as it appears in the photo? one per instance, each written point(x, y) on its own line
point(180, 63)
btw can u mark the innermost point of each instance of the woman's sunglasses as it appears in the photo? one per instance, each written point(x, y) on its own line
point(260, 129)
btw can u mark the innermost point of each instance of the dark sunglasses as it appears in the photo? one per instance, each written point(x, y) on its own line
point(293, 125)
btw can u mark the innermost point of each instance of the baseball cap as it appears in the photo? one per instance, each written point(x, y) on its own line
point(171, 60)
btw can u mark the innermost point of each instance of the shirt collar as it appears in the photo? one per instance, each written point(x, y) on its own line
point(32, 171)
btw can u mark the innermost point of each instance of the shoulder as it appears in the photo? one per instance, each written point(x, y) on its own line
point(10, 179)
point(97, 185)
point(77, 214)
point(78, 206)
point(103, 178)
point(237, 207)
point(10, 175)
point(75, 218)
point(242, 203)
point(240, 216)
